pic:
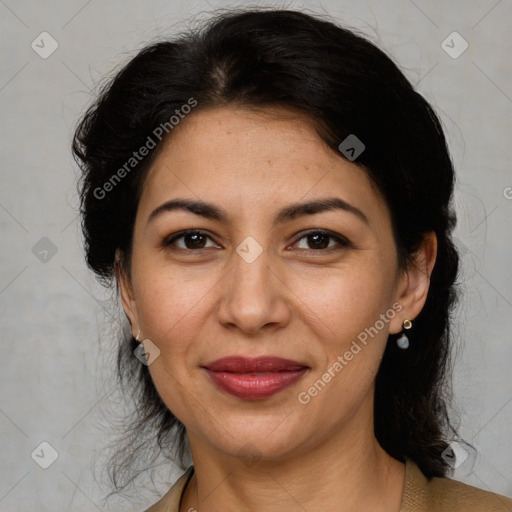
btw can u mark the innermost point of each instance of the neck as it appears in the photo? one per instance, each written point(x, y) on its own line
point(349, 471)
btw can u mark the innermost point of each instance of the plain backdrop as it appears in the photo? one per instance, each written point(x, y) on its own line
point(57, 348)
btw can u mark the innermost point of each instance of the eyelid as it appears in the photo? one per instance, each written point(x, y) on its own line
point(341, 240)
point(175, 236)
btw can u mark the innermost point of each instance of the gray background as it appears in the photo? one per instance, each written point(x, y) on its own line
point(56, 380)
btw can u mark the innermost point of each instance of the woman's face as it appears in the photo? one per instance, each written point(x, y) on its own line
point(257, 279)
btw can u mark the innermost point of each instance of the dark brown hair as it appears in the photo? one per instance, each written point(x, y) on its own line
point(345, 85)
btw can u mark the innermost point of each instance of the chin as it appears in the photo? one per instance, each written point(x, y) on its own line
point(269, 443)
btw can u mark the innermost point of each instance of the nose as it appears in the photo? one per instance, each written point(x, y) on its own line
point(254, 296)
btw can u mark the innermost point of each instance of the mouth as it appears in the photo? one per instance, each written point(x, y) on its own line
point(254, 378)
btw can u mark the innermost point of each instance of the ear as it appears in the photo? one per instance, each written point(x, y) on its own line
point(414, 283)
point(126, 291)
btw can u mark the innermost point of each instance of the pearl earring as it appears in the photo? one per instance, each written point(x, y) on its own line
point(137, 337)
point(403, 340)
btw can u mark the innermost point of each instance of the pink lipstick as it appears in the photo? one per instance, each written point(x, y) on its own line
point(254, 378)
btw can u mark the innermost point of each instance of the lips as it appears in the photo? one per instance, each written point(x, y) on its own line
point(254, 378)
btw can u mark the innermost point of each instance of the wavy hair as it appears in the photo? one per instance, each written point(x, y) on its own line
point(345, 85)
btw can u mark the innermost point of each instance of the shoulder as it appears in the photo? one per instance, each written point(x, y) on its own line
point(170, 502)
point(447, 495)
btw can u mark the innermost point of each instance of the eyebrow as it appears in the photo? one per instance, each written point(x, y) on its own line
point(290, 212)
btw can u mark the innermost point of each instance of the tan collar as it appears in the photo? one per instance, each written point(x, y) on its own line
point(170, 502)
point(419, 495)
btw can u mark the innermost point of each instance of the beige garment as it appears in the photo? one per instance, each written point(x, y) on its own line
point(420, 495)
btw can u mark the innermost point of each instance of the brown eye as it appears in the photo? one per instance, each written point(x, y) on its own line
point(318, 240)
point(190, 240)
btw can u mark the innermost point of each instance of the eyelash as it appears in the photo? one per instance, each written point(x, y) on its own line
point(340, 240)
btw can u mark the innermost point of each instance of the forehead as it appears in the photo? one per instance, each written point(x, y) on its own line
point(264, 157)
point(247, 137)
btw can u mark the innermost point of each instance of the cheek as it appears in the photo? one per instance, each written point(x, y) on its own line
point(348, 311)
point(342, 303)
point(335, 304)
point(349, 315)
point(170, 311)
point(169, 301)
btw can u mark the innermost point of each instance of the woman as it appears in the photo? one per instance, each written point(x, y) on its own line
point(273, 200)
